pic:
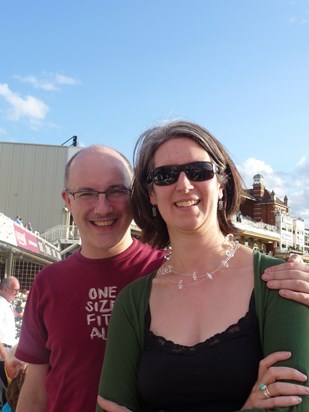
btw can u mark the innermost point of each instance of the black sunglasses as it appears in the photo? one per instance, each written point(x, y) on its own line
point(195, 171)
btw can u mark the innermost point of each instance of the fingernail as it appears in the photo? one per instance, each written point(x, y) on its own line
point(304, 377)
point(265, 276)
point(287, 353)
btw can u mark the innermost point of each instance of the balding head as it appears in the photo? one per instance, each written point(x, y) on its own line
point(98, 150)
point(9, 288)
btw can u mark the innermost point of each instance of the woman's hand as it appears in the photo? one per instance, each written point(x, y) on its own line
point(110, 406)
point(268, 393)
point(291, 278)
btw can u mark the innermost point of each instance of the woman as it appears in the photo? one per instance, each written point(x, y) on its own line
point(193, 335)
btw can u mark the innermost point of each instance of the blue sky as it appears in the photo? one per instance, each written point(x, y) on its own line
point(105, 70)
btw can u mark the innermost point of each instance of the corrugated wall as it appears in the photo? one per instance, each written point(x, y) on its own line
point(31, 181)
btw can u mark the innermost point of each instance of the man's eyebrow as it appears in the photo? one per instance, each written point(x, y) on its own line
point(119, 186)
point(84, 188)
point(91, 189)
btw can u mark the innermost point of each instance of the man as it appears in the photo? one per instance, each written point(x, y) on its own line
point(8, 370)
point(67, 312)
point(9, 288)
point(68, 309)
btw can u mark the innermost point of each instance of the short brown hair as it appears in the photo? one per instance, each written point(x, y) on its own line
point(154, 230)
point(14, 388)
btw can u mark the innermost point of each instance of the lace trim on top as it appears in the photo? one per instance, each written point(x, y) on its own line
point(246, 324)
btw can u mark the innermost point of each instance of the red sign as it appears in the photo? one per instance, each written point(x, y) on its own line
point(26, 240)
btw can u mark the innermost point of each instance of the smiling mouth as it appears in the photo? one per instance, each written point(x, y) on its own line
point(102, 224)
point(187, 203)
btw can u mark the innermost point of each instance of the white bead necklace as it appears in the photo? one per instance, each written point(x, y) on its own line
point(233, 245)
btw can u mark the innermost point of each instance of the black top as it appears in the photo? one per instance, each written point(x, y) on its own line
point(203, 377)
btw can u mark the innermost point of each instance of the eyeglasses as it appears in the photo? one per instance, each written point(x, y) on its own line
point(91, 196)
point(14, 290)
point(195, 171)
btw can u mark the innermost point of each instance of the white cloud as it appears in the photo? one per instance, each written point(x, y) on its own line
point(37, 83)
point(60, 79)
point(302, 161)
point(30, 108)
point(48, 82)
point(253, 166)
point(294, 185)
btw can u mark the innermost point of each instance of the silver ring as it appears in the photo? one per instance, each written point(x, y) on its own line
point(265, 390)
point(298, 257)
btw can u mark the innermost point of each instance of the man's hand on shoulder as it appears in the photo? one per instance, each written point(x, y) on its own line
point(291, 278)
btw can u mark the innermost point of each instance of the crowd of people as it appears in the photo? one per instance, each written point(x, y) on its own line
point(200, 323)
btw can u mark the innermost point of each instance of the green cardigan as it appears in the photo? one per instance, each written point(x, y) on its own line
point(283, 324)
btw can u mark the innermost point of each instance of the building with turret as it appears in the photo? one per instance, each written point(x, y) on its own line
point(262, 205)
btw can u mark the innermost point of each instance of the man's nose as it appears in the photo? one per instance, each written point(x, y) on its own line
point(102, 203)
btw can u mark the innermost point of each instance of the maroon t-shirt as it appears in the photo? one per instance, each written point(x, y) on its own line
point(66, 319)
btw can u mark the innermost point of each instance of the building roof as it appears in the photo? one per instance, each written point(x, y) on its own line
point(268, 197)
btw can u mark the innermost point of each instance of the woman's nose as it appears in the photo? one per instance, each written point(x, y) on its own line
point(183, 183)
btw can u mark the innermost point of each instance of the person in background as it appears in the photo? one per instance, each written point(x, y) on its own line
point(70, 302)
point(9, 288)
point(29, 227)
point(13, 391)
point(8, 370)
point(203, 332)
point(19, 220)
point(67, 313)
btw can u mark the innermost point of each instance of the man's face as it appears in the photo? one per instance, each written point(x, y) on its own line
point(104, 224)
point(11, 291)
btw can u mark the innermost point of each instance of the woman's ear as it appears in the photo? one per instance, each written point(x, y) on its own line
point(152, 197)
point(220, 191)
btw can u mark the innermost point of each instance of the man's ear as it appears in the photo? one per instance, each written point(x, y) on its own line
point(67, 199)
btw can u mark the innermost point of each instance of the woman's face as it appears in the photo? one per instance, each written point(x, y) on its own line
point(186, 205)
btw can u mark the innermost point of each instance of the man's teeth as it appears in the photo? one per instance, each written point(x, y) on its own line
point(187, 203)
point(105, 223)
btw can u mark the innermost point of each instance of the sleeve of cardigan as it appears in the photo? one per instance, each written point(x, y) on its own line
point(284, 326)
point(118, 381)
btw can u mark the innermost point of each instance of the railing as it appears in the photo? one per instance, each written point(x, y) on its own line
point(258, 225)
point(62, 234)
point(13, 234)
point(70, 234)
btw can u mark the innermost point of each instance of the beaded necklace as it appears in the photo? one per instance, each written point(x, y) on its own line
point(233, 245)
